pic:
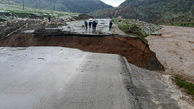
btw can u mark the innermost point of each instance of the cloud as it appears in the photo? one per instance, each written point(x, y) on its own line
point(114, 3)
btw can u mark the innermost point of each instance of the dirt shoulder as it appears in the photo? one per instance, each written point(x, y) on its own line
point(175, 50)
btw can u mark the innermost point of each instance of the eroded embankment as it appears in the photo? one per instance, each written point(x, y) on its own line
point(135, 50)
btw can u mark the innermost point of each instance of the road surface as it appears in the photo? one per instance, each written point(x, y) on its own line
point(63, 78)
point(77, 27)
point(59, 78)
point(102, 28)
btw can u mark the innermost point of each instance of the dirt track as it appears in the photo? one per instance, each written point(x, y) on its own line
point(133, 49)
point(175, 50)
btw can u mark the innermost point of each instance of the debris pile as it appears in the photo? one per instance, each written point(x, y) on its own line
point(18, 25)
point(145, 27)
point(148, 28)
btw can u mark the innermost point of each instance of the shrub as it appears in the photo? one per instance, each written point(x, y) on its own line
point(137, 30)
point(187, 86)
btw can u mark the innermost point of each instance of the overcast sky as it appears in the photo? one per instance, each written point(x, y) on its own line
point(114, 3)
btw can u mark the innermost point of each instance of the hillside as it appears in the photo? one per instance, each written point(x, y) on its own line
point(157, 11)
point(8, 12)
point(79, 6)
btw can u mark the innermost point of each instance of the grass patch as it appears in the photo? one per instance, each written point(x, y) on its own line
point(124, 28)
point(142, 38)
point(184, 24)
point(132, 29)
point(187, 86)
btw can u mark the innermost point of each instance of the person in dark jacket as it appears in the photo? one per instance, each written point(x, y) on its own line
point(90, 23)
point(49, 19)
point(86, 24)
point(94, 25)
point(110, 25)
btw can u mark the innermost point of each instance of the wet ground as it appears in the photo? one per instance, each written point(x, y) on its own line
point(102, 28)
point(78, 27)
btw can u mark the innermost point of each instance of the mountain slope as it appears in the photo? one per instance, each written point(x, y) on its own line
point(162, 5)
point(80, 6)
point(8, 12)
point(158, 11)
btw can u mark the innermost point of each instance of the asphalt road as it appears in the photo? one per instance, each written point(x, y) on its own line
point(63, 78)
point(60, 78)
point(77, 27)
point(101, 29)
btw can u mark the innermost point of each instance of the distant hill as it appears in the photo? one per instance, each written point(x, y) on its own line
point(79, 6)
point(6, 1)
point(157, 11)
point(11, 11)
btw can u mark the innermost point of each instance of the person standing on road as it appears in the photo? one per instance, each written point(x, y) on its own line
point(49, 19)
point(110, 25)
point(86, 24)
point(90, 23)
point(94, 24)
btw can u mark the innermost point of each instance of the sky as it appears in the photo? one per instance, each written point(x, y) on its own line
point(114, 3)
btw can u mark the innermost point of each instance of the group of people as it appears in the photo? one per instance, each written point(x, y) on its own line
point(93, 24)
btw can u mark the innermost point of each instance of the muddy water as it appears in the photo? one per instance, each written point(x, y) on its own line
point(175, 50)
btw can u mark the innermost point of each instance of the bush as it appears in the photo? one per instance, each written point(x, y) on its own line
point(185, 24)
point(187, 86)
point(137, 30)
point(124, 28)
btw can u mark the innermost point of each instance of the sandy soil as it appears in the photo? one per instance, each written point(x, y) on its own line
point(175, 50)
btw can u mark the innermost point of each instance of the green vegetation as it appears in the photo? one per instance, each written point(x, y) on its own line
point(124, 28)
point(187, 86)
point(183, 24)
point(133, 28)
point(136, 28)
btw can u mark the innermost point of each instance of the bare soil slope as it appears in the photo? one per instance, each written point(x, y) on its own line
point(135, 50)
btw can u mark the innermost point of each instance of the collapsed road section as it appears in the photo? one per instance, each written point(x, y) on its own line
point(73, 34)
point(135, 50)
